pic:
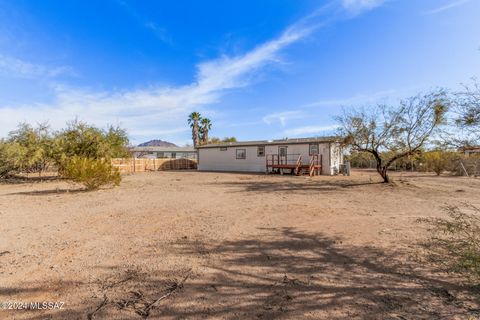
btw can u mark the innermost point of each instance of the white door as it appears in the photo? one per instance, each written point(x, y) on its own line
point(282, 155)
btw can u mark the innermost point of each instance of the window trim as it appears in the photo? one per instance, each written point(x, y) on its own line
point(263, 152)
point(310, 148)
point(244, 152)
point(286, 151)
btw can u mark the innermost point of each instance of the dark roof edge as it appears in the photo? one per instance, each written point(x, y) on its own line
point(157, 148)
point(273, 142)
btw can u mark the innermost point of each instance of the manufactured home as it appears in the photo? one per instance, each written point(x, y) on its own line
point(471, 151)
point(306, 155)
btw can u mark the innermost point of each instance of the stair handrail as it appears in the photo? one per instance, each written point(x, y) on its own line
point(298, 164)
point(312, 165)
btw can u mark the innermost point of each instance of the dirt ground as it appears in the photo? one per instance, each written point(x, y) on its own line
point(209, 245)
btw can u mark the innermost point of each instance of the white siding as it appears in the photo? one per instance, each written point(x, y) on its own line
point(336, 157)
point(214, 159)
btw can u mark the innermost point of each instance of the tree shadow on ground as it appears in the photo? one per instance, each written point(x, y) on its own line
point(425, 175)
point(48, 192)
point(24, 179)
point(296, 185)
point(277, 274)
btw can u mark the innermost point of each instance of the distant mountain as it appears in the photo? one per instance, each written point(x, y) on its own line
point(157, 143)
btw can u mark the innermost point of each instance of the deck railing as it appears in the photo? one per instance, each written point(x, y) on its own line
point(276, 159)
point(294, 163)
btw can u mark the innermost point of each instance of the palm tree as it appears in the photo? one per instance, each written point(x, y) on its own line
point(206, 126)
point(193, 119)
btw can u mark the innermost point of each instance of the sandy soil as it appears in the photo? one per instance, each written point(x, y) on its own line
point(249, 246)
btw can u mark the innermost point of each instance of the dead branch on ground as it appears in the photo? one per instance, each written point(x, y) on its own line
point(91, 315)
point(172, 289)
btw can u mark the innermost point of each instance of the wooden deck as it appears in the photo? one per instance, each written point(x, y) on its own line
point(294, 163)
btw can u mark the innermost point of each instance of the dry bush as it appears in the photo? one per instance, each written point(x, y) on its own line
point(455, 241)
point(92, 173)
point(436, 161)
point(470, 163)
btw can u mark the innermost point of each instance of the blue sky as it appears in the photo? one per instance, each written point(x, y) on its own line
point(259, 69)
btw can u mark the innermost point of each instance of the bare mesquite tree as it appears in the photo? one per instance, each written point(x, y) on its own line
point(466, 111)
point(390, 133)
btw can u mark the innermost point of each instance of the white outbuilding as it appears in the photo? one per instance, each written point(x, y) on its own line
point(322, 155)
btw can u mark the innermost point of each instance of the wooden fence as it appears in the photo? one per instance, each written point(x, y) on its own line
point(131, 165)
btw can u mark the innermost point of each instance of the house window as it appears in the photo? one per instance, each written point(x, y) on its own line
point(261, 151)
point(282, 151)
point(313, 149)
point(241, 153)
point(223, 148)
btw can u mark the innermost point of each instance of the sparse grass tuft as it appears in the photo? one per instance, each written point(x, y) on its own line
point(454, 241)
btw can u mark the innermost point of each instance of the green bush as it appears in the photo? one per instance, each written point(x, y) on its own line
point(92, 173)
point(12, 157)
point(87, 141)
point(80, 147)
point(30, 147)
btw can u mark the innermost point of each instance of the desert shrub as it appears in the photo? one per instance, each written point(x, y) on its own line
point(455, 240)
point(366, 160)
point(461, 163)
point(436, 161)
point(80, 152)
point(80, 139)
point(361, 160)
point(410, 163)
point(30, 147)
point(11, 156)
point(92, 173)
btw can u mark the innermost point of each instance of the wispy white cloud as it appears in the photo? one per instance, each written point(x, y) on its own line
point(282, 117)
point(310, 130)
point(163, 108)
point(17, 68)
point(160, 32)
point(359, 6)
point(448, 6)
point(233, 72)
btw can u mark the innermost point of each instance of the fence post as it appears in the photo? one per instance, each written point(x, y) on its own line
point(464, 170)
